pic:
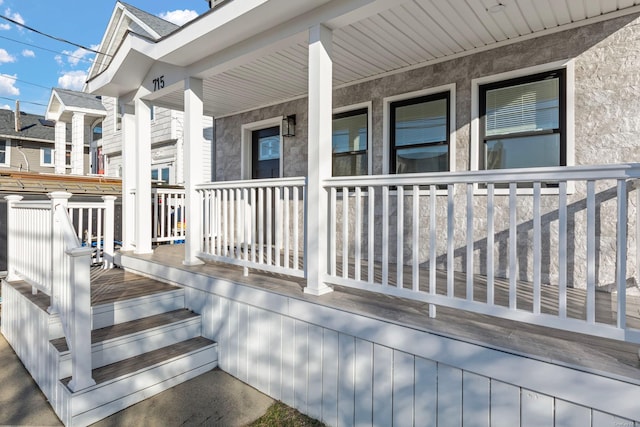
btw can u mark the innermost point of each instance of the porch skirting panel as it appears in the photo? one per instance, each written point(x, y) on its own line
point(349, 369)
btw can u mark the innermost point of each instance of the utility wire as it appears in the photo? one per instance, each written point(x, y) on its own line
point(24, 102)
point(48, 50)
point(13, 21)
point(23, 81)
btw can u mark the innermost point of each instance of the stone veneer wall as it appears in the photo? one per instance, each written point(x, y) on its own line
point(607, 129)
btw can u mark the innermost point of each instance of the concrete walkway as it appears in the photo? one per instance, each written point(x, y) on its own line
point(214, 398)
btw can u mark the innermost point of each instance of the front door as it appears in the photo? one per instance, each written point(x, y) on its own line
point(265, 149)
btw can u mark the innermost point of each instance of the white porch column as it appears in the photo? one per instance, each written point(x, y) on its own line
point(60, 148)
point(192, 168)
point(128, 177)
point(319, 157)
point(143, 178)
point(77, 144)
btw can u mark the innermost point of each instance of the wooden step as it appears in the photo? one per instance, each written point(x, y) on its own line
point(114, 343)
point(121, 311)
point(124, 383)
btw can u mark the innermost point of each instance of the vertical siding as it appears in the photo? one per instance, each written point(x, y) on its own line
point(426, 402)
point(382, 385)
point(475, 400)
point(344, 380)
point(330, 362)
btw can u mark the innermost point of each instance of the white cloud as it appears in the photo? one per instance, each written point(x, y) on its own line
point(5, 27)
point(58, 59)
point(73, 80)
point(179, 17)
point(5, 107)
point(15, 16)
point(7, 85)
point(6, 57)
point(28, 53)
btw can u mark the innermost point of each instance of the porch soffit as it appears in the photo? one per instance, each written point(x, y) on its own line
point(407, 35)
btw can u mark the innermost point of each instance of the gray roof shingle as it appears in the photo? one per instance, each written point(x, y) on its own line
point(71, 98)
point(158, 25)
point(31, 126)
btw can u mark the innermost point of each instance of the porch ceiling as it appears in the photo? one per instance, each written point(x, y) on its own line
point(409, 34)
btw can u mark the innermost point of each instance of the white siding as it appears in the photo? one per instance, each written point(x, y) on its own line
point(347, 369)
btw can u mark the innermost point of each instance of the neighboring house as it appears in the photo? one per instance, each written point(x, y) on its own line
point(27, 144)
point(104, 112)
point(422, 213)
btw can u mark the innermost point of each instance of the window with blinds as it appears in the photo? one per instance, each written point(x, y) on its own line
point(522, 122)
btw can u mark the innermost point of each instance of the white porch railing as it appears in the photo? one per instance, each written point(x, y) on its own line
point(550, 228)
point(94, 224)
point(44, 250)
point(256, 224)
point(168, 206)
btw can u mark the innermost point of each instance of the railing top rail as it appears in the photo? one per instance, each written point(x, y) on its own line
point(254, 183)
point(546, 174)
point(167, 191)
point(32, 204)
point(86, 205)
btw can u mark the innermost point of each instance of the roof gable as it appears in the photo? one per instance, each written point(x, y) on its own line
point(125, 19)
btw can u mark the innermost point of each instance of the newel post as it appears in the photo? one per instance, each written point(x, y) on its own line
point(109, 225)
point(58, 198)
point(12, 244)
point(80, 322)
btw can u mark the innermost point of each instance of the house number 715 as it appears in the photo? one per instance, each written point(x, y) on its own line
point(158, 83)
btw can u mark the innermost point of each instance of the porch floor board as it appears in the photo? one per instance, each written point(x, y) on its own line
point(106, 286)
point(607, 357)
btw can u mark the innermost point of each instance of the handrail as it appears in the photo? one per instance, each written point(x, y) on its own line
point(255, 183)
point(496, 176)
point(72, 296)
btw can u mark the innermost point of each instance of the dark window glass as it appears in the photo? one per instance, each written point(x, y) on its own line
point(420, 134)
point(349, 143)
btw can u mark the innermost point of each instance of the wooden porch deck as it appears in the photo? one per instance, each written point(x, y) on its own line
point(106, 286)
point(593, 354)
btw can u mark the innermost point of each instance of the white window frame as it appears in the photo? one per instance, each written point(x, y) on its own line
point(361, 106)
point(7, 153)
point(245, 151)
point(386, 125)
point(53, 154)
point(569, 66)
point(117, 117)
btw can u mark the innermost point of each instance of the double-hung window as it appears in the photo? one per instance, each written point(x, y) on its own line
point(4, 152)
point(420, 134)
point(46, 156)
point(350, 138)
point(523, 122)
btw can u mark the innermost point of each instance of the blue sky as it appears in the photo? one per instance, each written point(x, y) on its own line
point(31, 64)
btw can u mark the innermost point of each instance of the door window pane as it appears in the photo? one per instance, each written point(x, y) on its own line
point(269, 148)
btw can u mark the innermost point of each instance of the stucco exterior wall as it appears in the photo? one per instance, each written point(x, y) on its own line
point(606, 59)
